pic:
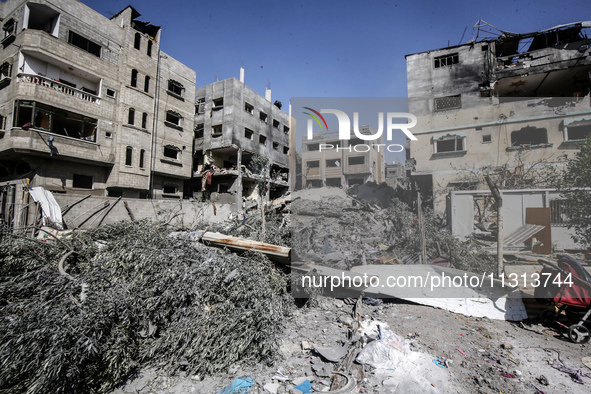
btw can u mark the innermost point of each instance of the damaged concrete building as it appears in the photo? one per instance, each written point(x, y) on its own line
point(504, 104)
point(90, 104)
point(328, 161)
point(233, 123)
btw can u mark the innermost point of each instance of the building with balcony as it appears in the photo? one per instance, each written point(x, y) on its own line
point(508, 105)
point(90, 104)
point(232, 124)
point(328, 161)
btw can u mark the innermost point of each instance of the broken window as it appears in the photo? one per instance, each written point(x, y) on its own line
point(333, 182)
point(110, 93)
point(171, 151)
point(173, 119)
point(200, 105)
point(147, 84)
point(285, 150)
point(218, 104)
point(9, 28)
point(249, 108)
point(313, 164)
point(128, 156)
point(142, 157)
point(312, 147)
point(262, 139)
point(149, 50)
point(486, 139)
point(144, 120)
point(216, 130)
point(558, 212)
point(248, 133)
point(5, 69)
point(42, 17)
point(275, 123)
point(447, 60)
point(176, 88)
point(578, 131)
point(356, 160)
point(275, 146)
point(9, 32)
point(333, 163)
point(449, 102)
point(134, 78)
point(84, 44)
point(131, 116)
point(355, 142)
point(263, 116)
point(137, 41)
point(54, 120)
point(169, 189)
point(528, 136)
point(199, 129)
point(449, 143)
point(286, 129)
point(82, 181)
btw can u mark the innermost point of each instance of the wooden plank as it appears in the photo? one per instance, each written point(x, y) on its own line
point(542, 217)
point(278, 254)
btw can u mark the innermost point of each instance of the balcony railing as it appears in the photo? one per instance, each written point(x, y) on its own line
point(60, 87)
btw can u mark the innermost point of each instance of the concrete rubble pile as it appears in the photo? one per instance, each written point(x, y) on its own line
point(342, 231)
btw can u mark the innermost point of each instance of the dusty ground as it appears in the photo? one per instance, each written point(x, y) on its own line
point(525, 351)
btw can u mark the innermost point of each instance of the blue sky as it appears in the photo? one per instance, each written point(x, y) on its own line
point(327, 48)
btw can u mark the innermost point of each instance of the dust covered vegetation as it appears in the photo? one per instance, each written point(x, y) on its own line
point(83, 313)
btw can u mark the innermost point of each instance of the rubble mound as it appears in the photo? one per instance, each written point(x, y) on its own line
point(82, 313)
point(381, 194)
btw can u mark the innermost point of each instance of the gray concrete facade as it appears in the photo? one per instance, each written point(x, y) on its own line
point(510, 106)
point(233, 123)
point(84, 102)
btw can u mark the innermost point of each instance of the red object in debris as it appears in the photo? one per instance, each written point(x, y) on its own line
point(461, 351)
point(508, 375)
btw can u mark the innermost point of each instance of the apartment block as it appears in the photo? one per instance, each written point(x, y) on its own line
point(233, 123)
point(505, 104)
point(91, 105)
point(329, 161)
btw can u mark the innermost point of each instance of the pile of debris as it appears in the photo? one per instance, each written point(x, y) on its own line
point(343, 231)
point(84, 311)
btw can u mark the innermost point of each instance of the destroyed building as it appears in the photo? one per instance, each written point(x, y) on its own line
point(504, 104)
point(329, 161)
point(395, 174)
point(232, 124)
point(90, 104)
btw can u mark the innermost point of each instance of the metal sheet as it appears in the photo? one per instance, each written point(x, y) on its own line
point(523, 233)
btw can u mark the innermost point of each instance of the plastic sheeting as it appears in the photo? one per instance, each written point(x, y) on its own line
point(52, 213)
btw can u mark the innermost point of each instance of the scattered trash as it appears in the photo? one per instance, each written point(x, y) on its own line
point(305, 387)
point(238, 386)
point(575, 374)
point(386, 352)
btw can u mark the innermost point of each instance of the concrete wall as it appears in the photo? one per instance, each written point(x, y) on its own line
point(183, 213)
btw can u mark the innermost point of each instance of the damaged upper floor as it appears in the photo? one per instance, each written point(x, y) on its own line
point(555, 62)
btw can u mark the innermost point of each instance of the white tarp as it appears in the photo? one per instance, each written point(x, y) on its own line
point(52, 213)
